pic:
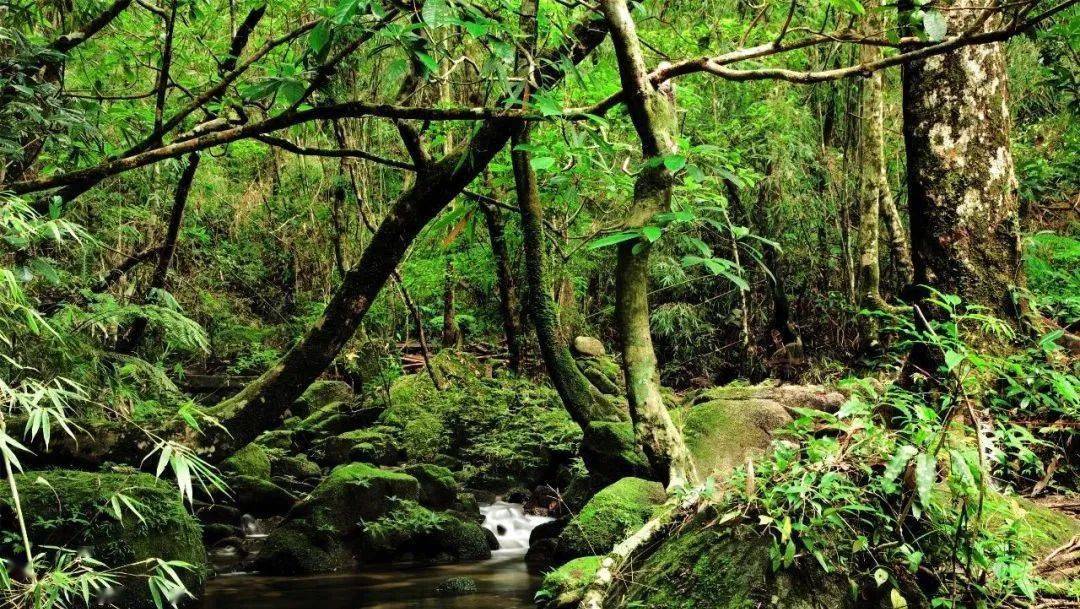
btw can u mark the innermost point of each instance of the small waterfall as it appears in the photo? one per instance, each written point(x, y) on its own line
point(511, 525)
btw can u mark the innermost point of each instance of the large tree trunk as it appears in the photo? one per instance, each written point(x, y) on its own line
point(260, 405)
point(962, 188)
point(874, 182)
point(653, 114)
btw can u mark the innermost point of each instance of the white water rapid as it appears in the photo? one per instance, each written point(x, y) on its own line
point(511, 525)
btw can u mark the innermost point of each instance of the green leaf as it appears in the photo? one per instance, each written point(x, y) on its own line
point(611, 240)
point(925, 477)
point(429, 62)
point(952, 360)
point(652, 233)
point(541, 163)
point(318, 37)
point(437, 13)
point(934, 25)
point(674, 162)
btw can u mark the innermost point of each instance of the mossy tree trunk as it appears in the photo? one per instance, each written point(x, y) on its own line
point(963, 203)
point(653, 114)
point(582, 400)
point(874, 181)
point(260, 405)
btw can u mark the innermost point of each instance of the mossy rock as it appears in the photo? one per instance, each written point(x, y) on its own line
point(564, 587)
point(456, 586)
point(609, 517)
point(438, 488)
point(354, 493)
point(335, 418)
point(260, 496)
point(376, 446)
point(703, 567)
point(413, 532)
point(251, 460)
point(321, 393)
point(298, 467)
point(58, 514)
point(721, 433)
point(278, 439)
point(611, 452)
point(296, 548)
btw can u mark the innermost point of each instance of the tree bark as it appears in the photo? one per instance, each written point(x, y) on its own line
point(451, 332)
point(874, 182)
point(134, 334)
point(505, 279)
point(260, 405)
point(962, 197)
point(653, 114)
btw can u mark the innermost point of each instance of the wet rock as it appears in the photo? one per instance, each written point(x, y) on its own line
point(251, 460)
point(456, 586)
point(260, 496)
point(564, 587)
point(611, 452)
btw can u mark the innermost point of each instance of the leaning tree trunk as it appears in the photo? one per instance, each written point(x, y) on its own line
point(260, 405)
point(653, 114)
point(962, 188)
point(133, 336)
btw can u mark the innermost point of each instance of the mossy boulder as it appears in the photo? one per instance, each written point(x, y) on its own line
point(298, 467)
point(277, 439)
point(321, 393)
point(703, 567)
point(297, 548)
point(609, 517)
point(259, 496)
point(456, 586)
point(410, 531)
point(321, 530)
point(564, 587)
point(610, 451)
point(378, 446)
point(335, 418)
point(354, 493)
point(58, 512)
point(251, 460)
point(438, 488)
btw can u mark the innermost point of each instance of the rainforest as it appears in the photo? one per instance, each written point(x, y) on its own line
point(539, 304)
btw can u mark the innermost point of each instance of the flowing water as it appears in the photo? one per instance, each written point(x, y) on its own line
point(503, 582)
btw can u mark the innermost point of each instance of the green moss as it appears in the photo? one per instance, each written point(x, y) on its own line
point(294, 466)
point(297, 549)
point(456, 586)
point(609, 517)
point(611, 451)
point(721, 431)
point(251, 460)
point(1041, 529)
point(438, 488)
point(565, 586)
point(353, 493)
point(720, 568)
point(60, 513)
point(378, 446)
point(321, 393)
point(411, 530)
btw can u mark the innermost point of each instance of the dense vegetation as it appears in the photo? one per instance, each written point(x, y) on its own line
point(765, 303)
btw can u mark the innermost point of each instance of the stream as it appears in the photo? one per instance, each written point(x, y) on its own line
point(503, 582)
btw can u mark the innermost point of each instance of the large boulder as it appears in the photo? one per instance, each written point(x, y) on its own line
point(725, 425)
point(59, 509)
point(252, 460)
point(317, 536)
point(377, 446)
point(710, 567)
point(612, 514)
point(412, 532)
point(334, 418)
point(438, 488)
point(259, 496)
point(319, 394)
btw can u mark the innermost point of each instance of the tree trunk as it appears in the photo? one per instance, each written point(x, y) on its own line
point(653, 114)
point(505, 280)
point(134, 334)
point(874, 182)
point(962, 187)
point(583, 401)
point(451, 333)
point(260, 405)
